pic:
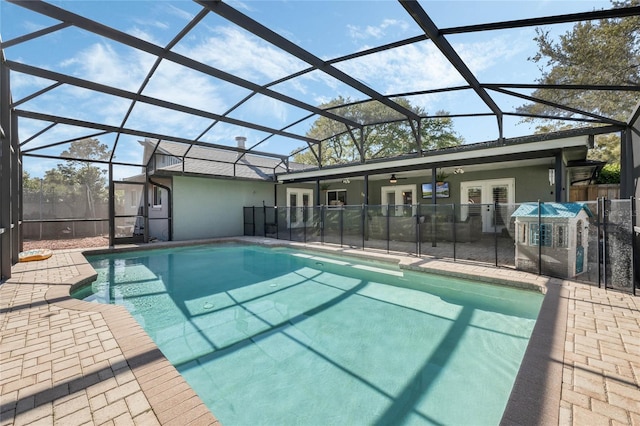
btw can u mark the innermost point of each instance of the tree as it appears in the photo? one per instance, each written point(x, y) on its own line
point(80, 180)
point(607, 148)
point(30, 185)
point(339, 146)
point(605, 52)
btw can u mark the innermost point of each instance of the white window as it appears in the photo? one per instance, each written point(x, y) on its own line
point(543, 235)
point(337, 197)
point(157, 196)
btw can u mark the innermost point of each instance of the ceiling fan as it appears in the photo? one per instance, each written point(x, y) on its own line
point(394, 179)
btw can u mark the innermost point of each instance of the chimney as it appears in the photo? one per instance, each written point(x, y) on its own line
point(240, 140)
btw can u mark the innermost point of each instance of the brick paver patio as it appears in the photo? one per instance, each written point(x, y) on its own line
point(68, 362)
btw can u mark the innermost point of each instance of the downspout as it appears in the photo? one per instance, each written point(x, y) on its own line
point(169, 207)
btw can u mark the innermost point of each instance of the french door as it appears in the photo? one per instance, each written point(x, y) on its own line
point(402, 197)
point(298, 203)
point(478, 198)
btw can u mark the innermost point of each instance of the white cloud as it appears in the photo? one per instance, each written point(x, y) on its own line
point(101, 63)
point(481, 56)
point(407, 68)
point(180, 13)
point(152, 23)
point(421, 66)
point(237, 52)
point(363, 33)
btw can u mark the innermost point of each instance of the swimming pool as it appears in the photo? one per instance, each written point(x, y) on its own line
point(276, 336)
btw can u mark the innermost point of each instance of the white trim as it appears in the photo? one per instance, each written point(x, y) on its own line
point(487, 198)
point(326, 195)
point(532, 147)
point(301, 192)
point(398, 190)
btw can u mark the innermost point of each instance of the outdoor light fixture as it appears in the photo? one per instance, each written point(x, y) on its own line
point(346, 181)
point(393, 179)
point(458, 171)
point(552, 177)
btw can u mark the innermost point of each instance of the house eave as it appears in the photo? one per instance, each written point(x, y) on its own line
point(458, 156)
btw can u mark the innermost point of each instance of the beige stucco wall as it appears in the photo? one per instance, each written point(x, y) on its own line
point(207, 208)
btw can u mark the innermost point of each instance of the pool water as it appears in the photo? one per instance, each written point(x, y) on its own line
point(275, 336)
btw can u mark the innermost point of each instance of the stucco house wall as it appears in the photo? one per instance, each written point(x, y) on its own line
point(531, 184)
point(207, 208)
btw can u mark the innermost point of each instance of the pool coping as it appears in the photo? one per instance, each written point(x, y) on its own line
point(535, 396)
point(147, 363)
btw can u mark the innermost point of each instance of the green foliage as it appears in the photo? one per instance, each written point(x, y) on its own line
point(74, 181)
point(607, 148)
point(389, 139)
point(603, 52)
point(29, 184)
point(81, 177)
point(609, 174)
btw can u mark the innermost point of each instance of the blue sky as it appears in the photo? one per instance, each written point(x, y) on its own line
point(327, 29)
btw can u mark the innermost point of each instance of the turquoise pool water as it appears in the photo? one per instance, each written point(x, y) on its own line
point(277, 337)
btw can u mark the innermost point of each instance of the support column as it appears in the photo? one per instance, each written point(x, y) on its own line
point(6, 160)
point(366, 190)
point(560, 193)
point(112, 208)
point(626, 166)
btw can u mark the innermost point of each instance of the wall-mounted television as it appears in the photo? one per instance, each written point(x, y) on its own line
point(442, 190)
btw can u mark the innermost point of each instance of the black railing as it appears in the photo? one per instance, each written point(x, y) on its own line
point(559, 246)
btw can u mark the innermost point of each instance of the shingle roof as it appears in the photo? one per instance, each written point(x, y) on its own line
point(567, 210)
point(203, 160)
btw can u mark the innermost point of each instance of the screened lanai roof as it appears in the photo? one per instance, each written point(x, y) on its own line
point(200, 73)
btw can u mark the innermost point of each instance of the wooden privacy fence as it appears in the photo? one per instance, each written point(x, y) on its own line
point(593, 192)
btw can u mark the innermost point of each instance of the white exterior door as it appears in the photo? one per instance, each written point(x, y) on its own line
point(401, 197)
point(298, 202)
point(477, 198)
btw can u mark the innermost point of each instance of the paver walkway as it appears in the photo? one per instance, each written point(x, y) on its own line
point(67, 362)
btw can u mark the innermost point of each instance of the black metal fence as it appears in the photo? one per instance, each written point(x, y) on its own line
point(595, 244)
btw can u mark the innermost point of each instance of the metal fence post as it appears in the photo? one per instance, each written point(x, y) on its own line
point(388, 227)
point(322, 217)
point(605, 237)
point(539, 238)
point(633, 244)
point(290, 227)
point(264, 220)
point(600, 254)
point(341, 225)
point(416, 230)
point(495, 229)
point(455, 232)
point(363, 222)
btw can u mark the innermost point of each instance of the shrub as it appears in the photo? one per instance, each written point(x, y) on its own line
point(610, 173)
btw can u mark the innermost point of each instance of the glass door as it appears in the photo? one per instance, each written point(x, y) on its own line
point(298, 203)
point(400, 198)
point(478, 198)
